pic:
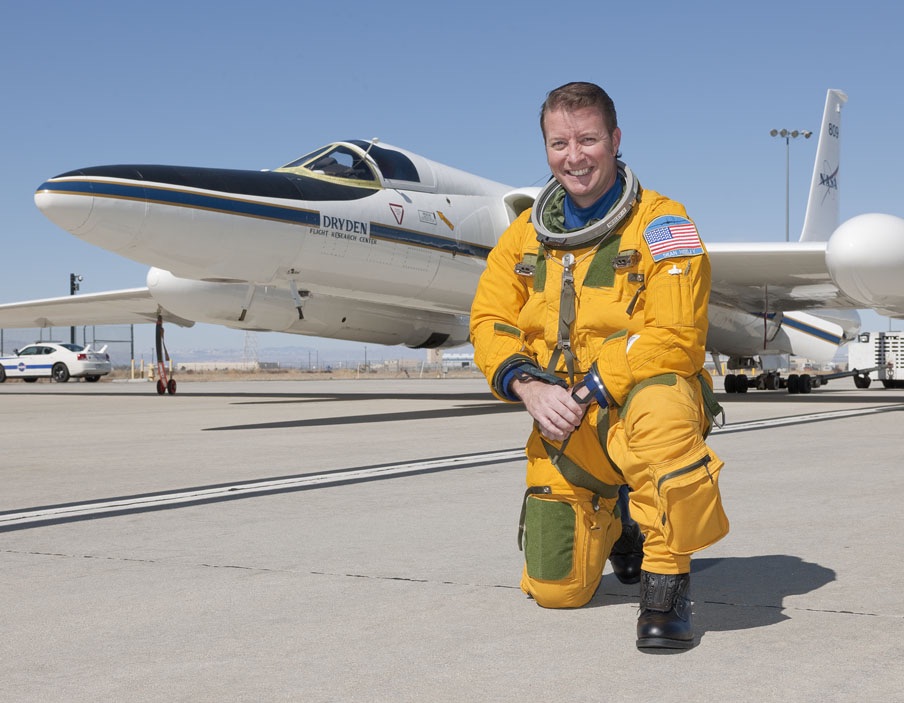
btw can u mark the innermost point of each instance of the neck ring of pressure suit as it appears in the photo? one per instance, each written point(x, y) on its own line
point(596, 231)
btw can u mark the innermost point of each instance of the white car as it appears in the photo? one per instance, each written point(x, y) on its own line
point(57, 361)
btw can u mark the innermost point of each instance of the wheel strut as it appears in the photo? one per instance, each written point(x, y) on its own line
point(164, 384)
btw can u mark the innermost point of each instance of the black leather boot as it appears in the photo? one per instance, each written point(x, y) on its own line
point(627, 554)
point(665, 612)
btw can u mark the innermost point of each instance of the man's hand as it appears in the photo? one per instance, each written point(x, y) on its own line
point(556, 412)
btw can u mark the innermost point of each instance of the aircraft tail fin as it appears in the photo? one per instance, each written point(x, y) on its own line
point(822, 207)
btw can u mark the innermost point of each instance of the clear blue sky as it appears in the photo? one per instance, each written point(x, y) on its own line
point(698, 86)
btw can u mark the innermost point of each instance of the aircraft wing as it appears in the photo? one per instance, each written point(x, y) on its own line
point(131, 306)
point(757, 277)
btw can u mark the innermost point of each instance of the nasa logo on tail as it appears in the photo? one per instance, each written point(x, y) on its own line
point(829, 181)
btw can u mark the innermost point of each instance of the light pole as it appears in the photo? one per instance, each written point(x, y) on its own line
point(788, 137)
point(74, 280)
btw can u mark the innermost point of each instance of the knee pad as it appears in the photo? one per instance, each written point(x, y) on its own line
point(566, 544)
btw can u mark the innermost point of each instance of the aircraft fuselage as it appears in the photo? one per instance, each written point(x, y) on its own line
point(281, 249)
point(376, 242)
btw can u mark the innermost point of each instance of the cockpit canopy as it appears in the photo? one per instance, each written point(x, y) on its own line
point(364, 163)
point(369, 164)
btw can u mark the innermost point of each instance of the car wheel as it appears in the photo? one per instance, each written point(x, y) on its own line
point(60, 373)
point(92, 379)
point(2, 374)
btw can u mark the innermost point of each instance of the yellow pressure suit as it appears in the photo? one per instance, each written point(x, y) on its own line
point(643, 323)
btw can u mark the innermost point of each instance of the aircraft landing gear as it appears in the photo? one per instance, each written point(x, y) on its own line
point(164, 384)
point(736, 383)
point(739, 383)
point(801, 383)
point(169, 386)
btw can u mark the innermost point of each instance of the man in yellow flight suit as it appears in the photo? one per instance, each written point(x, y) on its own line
point(592, 313)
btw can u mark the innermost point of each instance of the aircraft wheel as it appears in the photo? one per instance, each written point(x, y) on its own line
point(772, 381)
point(31, 379)
point(92, 379)
point(171, 386)
point(60, 373)
point(161, 387)
point(731, 383)
point(806, 383)
point(794, 383)
point(742, 383)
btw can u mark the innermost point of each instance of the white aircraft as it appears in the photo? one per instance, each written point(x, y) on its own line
point(770, 300)
point(364, 241)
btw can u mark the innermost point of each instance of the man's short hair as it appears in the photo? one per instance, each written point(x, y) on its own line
point(577, 95)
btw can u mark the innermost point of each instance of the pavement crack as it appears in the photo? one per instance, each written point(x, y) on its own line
point(245, 567)
point(786, 608)
point(411, 579)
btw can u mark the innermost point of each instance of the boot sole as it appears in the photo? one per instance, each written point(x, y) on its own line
point(663, 643)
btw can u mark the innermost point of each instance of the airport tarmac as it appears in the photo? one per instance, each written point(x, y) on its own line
point(356, 541)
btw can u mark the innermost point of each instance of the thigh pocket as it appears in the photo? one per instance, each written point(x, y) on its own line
point(566, 543)
point(689, 502)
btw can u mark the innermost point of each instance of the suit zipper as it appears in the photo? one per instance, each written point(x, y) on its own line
point(687, 469)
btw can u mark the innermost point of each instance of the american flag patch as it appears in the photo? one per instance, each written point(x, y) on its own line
point(672, 236)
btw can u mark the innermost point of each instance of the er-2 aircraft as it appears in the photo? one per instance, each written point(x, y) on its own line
point(363, 241)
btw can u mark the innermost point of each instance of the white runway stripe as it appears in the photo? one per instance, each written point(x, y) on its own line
point(137, 503)
point(803, 419)
point(212, 494)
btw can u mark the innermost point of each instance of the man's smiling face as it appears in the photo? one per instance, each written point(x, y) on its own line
point(581, 153)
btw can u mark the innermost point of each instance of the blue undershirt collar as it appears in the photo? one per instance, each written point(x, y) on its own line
point(578, 217)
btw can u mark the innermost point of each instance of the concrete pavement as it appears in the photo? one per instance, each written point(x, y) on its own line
point(356, 541)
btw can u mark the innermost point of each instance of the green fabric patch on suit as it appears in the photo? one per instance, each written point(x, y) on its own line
point(549, 528)
point(601, 273)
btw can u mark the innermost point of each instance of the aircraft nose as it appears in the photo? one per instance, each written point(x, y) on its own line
point(102, 205)
point(67, 204)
